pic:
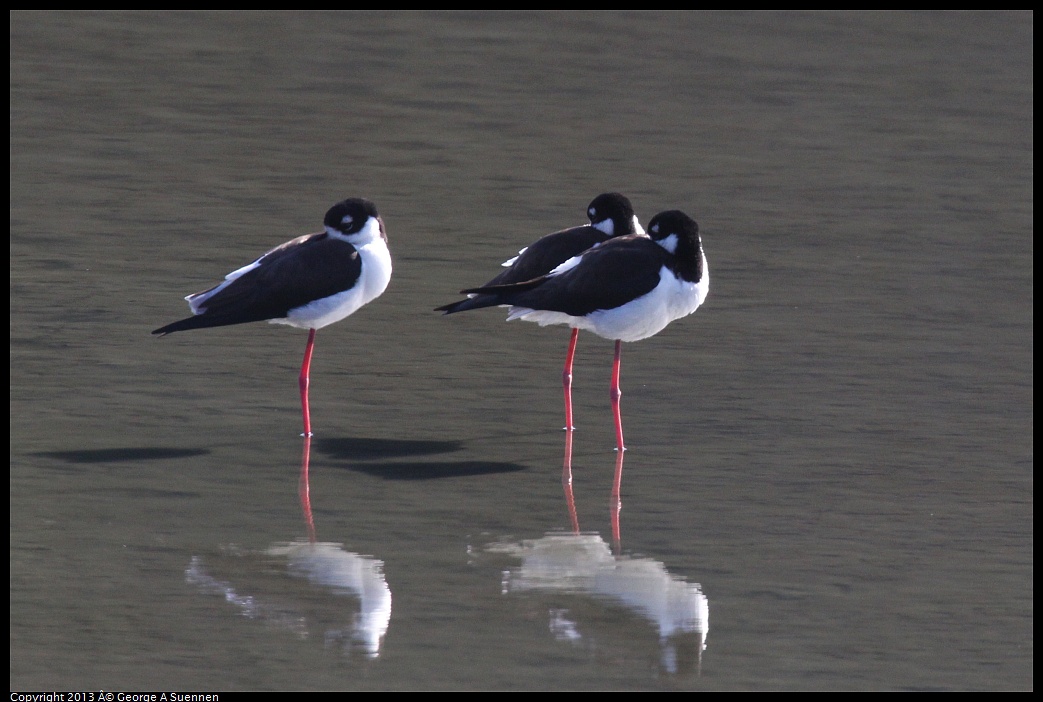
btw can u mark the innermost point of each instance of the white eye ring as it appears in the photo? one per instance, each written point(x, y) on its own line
point(347, 219)
point(591, 212)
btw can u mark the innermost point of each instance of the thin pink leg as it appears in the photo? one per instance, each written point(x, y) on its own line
point(305, 380)
point(615, 394)
point(566, 379)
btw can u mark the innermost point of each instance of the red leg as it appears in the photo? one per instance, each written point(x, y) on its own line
point(615, 394)
point(305, 380)
point(566, 379)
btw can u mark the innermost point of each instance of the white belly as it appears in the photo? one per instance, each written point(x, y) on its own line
point(638, 319)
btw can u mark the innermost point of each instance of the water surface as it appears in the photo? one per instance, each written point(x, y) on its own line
point(835, 452)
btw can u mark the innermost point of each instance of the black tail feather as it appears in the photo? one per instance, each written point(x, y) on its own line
point(490, 296)
point(471, 303)
point(200, 321)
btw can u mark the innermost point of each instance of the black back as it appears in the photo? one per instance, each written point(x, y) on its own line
point(549, 252)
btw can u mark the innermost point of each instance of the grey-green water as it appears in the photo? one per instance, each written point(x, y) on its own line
point(837, 446)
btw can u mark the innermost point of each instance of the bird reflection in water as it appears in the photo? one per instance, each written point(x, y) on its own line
point(255, 584)
point(582, 564)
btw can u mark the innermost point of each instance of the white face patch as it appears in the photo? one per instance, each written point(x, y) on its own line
point(669, 243)
point(369, 233)
point(607, 227)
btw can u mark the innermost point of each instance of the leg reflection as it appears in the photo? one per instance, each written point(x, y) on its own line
point(305, 489)
point(566, 483)
point(616, 503)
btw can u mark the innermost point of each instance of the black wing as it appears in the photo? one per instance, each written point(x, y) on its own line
point(300, 271)
point(539, 259)
point(609, 276)
point(548, 253)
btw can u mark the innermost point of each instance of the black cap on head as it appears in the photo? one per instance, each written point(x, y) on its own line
point(348, 216)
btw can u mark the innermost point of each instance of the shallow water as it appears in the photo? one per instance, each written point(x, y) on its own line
point(835, 451)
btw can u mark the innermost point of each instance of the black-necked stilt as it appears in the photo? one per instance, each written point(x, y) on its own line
point(611, 215)
point(309, 282)
point(627, 289)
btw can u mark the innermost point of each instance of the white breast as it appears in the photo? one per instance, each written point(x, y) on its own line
point(376, 274)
